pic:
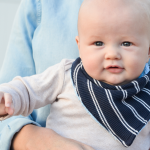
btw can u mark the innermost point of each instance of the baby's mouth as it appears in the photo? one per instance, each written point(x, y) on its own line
point(114, 69)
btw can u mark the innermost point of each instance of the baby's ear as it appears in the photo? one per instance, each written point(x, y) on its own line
point(78, 43)
point(77, 40)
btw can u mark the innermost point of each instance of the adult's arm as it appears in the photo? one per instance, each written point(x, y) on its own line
point(37, 138)
point(19, 61)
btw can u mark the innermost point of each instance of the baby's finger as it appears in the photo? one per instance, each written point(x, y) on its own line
point(9, 110)
point(8, 104)
point(8, 100)
point(1, 96)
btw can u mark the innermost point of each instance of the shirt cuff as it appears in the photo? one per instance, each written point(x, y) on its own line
point(4, 118)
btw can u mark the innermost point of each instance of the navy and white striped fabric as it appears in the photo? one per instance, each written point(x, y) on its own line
point(122, 110)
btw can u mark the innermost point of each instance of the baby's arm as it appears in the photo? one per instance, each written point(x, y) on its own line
point(6, 104)
point(29, 93)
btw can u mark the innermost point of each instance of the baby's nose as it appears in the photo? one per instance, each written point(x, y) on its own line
point(112, 53)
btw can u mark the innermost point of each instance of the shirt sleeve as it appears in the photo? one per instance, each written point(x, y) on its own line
point(19, 61)
point(36, 91)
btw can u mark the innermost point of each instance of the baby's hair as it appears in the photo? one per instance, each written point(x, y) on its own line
point(142, 5)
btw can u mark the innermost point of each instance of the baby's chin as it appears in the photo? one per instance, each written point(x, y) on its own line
point(117, 83)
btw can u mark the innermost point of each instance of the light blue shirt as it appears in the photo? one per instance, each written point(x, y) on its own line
point(43, 34)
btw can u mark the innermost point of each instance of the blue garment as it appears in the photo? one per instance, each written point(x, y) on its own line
point(145, 71)
point(43, 34)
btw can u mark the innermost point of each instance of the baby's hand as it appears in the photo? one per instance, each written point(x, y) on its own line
point(6, 104)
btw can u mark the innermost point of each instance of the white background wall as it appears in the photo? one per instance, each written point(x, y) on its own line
point(8, 10)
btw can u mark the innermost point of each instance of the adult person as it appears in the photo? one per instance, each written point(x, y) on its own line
point(43, 33)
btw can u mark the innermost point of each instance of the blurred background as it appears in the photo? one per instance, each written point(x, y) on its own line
point(8, 9)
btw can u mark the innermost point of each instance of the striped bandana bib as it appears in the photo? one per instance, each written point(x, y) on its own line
point(122, 110)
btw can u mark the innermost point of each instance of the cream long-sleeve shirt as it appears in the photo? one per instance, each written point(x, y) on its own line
point(68, 117)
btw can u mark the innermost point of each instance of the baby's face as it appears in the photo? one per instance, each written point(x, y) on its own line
point(113, 42)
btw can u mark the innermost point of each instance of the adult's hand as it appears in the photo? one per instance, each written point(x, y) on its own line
point(37, 138)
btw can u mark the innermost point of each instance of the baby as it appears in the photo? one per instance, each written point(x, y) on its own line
point(106, 91)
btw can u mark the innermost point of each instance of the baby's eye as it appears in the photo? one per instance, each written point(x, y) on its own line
point(126, 43)
point(99, 43)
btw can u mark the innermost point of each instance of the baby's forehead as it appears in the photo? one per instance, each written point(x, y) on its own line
point(106, 5)
point(109, 8)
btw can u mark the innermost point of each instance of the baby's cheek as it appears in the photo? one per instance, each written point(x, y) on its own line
point(92, 69)
point(136, 68)
point(89, 67)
